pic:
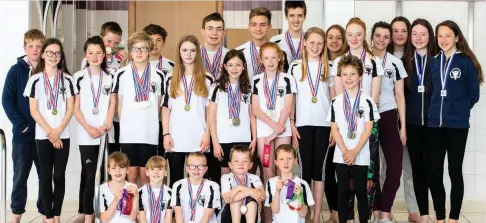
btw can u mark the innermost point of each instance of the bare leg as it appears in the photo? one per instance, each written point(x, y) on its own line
point(225, 170)
point(251, 214)
point(144, 179)
point(132, 175)
point(317, 193)
point(235, 212)
point(268, 172)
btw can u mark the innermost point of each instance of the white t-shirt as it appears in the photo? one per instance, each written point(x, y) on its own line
point(167, 65)
point(285, 86)
point(284, 45)
point(286, 214)
point(366, 112)
point(86, 104)
point(144, 204)
point(186, 127)
point(211, 55)
point(227, 132)
point(246, 49)
point(306, 112)
point(106, 197)
point(36, 88)
point(393, 71)
point(139, 124)
point(210, 197)
point(372, 69)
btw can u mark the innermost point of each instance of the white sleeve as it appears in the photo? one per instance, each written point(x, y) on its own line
point(269, 193)
point(401, 69)
point(334, 68)
point(308, 199)
point(293, 85)
point(330, 115)
point(379, 68)
point(71, 85)
point(371, 113)
point(29, 90)
point(84, 63)
point(214, 199)
point(103, 204)
point(255, 180)
point(225, 183)
point(176, 194)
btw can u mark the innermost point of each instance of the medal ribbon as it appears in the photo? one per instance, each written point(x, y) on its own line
point(351, 114)
point(96, 97)
point(52, 92)
point(155, 205)
point(239, 183)
point(296, 54)
point(234, 101)
point(214, 67)
point(141, 84)
point(159, 64)
point(383, 64)
point(193, 202)
point(188, 89)
point(444, 70)
point(314, 87)
point(363, 60)
point(420, 68)
point(255, 59)
point(271, 95)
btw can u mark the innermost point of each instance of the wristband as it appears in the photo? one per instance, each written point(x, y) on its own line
point(166, 134)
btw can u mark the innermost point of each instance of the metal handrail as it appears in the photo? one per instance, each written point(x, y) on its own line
point(3, 176)
point(102, 157)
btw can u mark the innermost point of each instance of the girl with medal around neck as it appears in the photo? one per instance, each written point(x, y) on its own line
point(392, 98)
point(184, 113)
point(352, 117)
point(51, 93)
point(154, 204)
point(310, 130)
point(241, 191)
point(456, 76)
point(231, 121)
point(418, 93)
point(94, 108)
point(334, 43)
point(138, 86)
point(118, 197)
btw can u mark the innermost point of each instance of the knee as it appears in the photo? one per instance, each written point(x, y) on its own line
point(59, 178)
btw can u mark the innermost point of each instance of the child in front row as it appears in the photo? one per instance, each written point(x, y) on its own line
point(155, 196)
point(118, 198)
point(195, 197)
point(287, 195)
point(241, 191)
point(352, 115)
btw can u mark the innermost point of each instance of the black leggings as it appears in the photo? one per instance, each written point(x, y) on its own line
point(453, 142)
point(52, 168)
point(356, 173)
point(89, 160)
point(313, 144)
point(330, 184)
point(416, 143)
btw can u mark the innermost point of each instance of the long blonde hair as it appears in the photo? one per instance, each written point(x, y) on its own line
point(198, 71)
point(324, 60)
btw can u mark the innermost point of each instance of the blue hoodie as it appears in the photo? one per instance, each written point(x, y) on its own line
point(454, 110)
point(417, 104)
point(16, 106)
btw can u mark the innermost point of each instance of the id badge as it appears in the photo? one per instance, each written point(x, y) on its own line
point(421, 89)
point(443, 93)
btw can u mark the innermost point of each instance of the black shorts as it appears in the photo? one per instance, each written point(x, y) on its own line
point(138, 154)
point(160, 149)
point(226, 213)
point(313, 145)
point(227, 150)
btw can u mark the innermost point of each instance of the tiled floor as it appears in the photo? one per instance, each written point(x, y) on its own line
point(472, 212)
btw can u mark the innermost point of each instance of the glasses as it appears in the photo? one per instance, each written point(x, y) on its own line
point(140, 49)
point(199, 167)
point(50, 53)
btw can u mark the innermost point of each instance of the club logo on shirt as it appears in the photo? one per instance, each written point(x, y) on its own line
point(106, 89)
point(165, 71)
point(63, 90)
point(280, 91)
point(202, 200)
point(360, 112)
point(455, 73)
point(389, 73)
point(153, 87)
point(368, 69)
point(245, 98)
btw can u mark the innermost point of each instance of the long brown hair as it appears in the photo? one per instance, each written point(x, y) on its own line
point(359, 22)
point(343, 38)
point(200, 88)
point(281, 55)
point(244, 80)
point(324, 60)
point(408, 56)
point(408, 45)
point(461, 45)
point(97, 40)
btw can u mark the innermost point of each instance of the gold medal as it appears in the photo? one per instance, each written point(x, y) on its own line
point(236, 122)
point(314, 100)
point(187, 107)
point(54, 111)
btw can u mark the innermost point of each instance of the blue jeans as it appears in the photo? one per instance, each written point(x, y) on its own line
point(23, 155)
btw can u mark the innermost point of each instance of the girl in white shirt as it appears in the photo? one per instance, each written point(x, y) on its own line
point(94, 109)
point(184, 107)
point(231, 121)
point(310, 130)
point(51, 91)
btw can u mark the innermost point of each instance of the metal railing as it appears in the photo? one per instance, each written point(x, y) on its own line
point(3, 176)
point(102, 158)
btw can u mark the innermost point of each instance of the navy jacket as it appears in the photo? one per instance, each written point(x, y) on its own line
point(453, 111)
point(417, 104)
point(16, 106)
